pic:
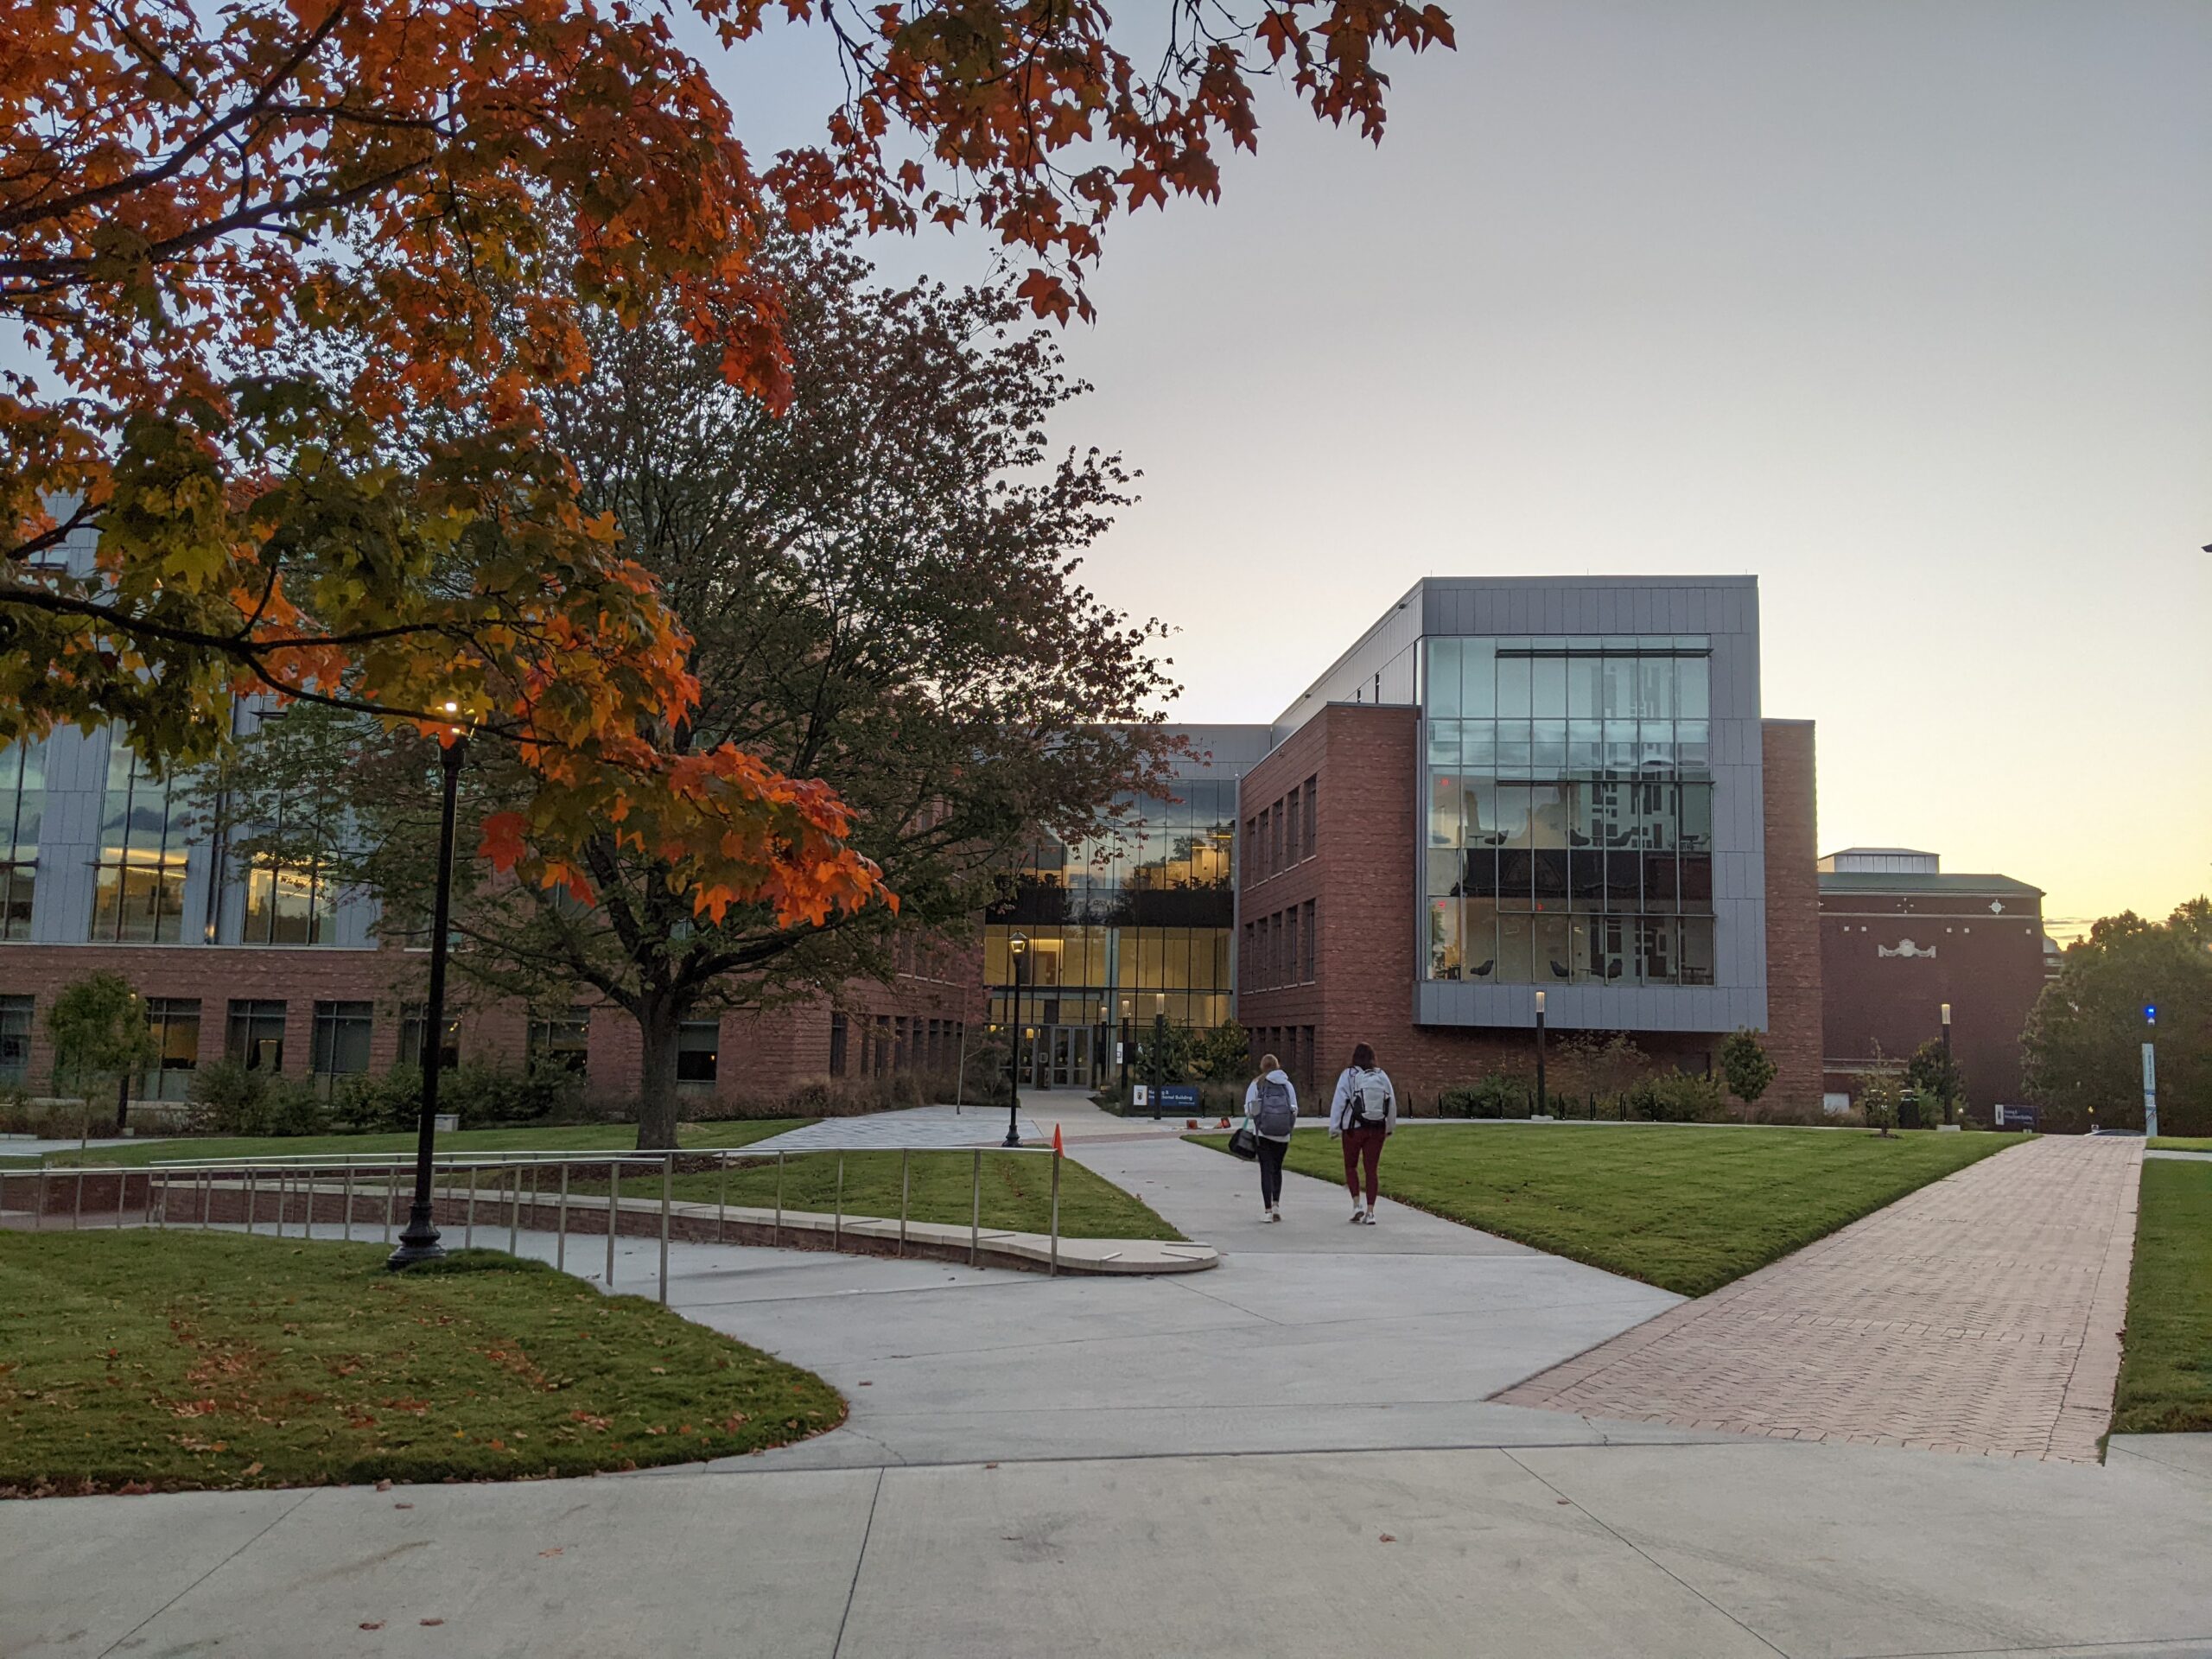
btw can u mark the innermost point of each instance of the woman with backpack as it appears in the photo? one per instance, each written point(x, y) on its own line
point(1271, 1108)
point(1363, 1112)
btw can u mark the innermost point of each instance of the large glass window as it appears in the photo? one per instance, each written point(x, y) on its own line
point(698, 1043)
point(560, 1040)
point(341, 1042)
point(285, 903)
point(256, 1039)
point(16, 1013)
point(1570, 809)
point(22, 804)
point(413, 1017)
point(174, 1021)
point(139, 887)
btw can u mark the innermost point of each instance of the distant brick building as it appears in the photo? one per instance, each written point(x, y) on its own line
point(1898, 940)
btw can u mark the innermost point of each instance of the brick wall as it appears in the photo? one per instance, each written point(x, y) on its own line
point(761, 1056)
point(1793, 922)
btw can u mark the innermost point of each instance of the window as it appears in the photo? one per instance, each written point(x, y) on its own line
point(1292, 823)
point(1312, 795)
point(138, 893)
point(840, 1038)
point(285, 903)
point(175, 1022)
point(1312, 951)
point(16, 1013)
point(1570, 810)
point(412, 1017)
point(340, 1046)
point(698, 1043)
point(22, 804)
point(256, 1035)
point(1291, 959)
point(883, 1039)
point(560, 1041)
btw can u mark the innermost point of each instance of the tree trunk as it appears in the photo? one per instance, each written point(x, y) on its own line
point(658, 1021)
point(121, 1103)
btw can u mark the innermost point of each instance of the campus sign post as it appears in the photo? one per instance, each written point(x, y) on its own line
point(2150, 1072)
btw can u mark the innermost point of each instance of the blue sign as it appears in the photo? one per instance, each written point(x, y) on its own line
point(2016, 1117)
point(1179, 1097)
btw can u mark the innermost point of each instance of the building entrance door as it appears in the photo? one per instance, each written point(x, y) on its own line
point(1070, 1057)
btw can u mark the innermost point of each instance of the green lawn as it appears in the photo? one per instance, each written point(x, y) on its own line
point(574, 1137)
point(1687, 1209)
point(2165, 1372)
point(2180, 1143)
point(1017, 1191)
point(146, 1361)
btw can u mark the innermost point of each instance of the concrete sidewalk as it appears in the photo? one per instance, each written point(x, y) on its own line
point(1704, 1551)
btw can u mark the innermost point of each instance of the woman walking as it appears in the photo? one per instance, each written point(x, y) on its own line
point(1363, 1112)
point(1271, 1108)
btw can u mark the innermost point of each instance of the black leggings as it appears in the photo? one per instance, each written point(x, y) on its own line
point(1271, 1157)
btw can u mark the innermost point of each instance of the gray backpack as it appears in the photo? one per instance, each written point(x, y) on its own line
point(1275, 1114)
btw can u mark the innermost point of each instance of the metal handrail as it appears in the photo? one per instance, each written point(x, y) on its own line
point(199, 1178)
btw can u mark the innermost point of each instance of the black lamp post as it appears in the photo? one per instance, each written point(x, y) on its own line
point(419, 1241)
point(1946, 1055)
point(1018, 945)
point(1543, 1100)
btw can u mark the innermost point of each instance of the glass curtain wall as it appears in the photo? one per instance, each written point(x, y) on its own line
point(1121, 928)
point(1570, 810)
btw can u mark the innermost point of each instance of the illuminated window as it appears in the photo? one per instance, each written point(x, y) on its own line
point(139, 892)
point(23, 802)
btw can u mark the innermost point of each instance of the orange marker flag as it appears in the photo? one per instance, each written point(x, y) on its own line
point(1058, 1151)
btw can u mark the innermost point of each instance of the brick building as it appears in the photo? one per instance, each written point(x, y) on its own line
point(268, 967)
point(1504, 787)
point(1899, 940)
point(1509, 786)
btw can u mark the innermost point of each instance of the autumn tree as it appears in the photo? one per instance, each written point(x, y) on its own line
point(880, 585)
point(263, 248)
point(2081, 1052)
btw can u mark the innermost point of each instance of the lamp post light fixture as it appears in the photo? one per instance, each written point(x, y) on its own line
point(1018, 945)
point(1543, 1099)
point(419, 1241)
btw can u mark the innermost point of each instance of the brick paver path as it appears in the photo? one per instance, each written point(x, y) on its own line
point(1981, 1313)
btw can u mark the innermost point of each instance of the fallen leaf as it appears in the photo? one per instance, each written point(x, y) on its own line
point(403, 1506)
point(384, 1485)
point(433, 1621)
point(1561, 1500)
point(1387, 1538)
point(253, 1468)
point(372, 1624)
point(556, 1550)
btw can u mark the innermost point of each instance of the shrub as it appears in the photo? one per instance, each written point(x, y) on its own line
point(1674, 1098)
point(228, 1099)
point(1491, 1096)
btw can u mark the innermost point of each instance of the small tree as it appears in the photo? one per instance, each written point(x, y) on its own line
point(1937, 1078)
point(1878, 1096)
point(99, 1029)
point(1745, 1064)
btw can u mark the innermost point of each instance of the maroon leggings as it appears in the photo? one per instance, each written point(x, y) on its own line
point(1363, 1146)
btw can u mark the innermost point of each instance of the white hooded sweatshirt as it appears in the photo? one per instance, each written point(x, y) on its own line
point(1375, 1085)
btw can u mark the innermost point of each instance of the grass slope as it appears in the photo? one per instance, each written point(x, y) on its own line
point(142, 1361)
point(1687, 1209)
point(1017, 1191)
point(2165, 1371)
point(574, 1137)
point(2180, 1143)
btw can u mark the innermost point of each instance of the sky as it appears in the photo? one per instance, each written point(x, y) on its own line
point(1905, 309)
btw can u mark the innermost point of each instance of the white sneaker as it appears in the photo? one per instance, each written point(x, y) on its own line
point(1359, 1214)
point(1275, 1215)
point(1367, 1217)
